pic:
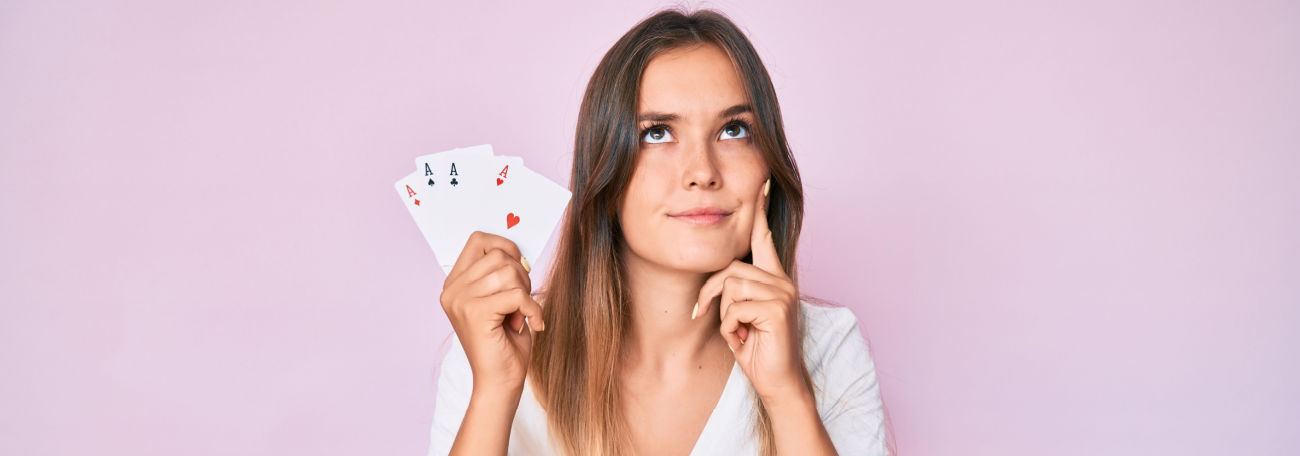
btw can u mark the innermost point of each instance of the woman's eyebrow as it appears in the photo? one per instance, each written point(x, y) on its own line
point(669, 117)
point(734, 110)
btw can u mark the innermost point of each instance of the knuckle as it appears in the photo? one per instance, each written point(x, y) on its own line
point(519, 294)
point(477, 236)
point(445, 299)
point(779, 311)
point(509, 274)
point(734, 283)
point(473, 241)
point(521, 297)
point(455, 312)
point(534, 309)
point(497, 279)
point(498, 255)
point(487, 283)
point(784, 308)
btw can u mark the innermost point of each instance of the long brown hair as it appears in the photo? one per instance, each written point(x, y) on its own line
point(575, 361)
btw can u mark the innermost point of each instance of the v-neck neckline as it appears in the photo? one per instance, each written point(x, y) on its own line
point(706, 440)
point(715, 428)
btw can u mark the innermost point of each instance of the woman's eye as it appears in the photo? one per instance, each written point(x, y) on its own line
point(734, 131)
point(657, 135)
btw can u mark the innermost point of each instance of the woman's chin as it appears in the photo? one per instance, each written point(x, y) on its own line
point(703, 262)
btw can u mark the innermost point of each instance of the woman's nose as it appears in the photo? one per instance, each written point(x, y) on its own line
point(701, 171)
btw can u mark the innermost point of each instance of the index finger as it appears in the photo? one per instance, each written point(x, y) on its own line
point(760, 244)
point(478, 245)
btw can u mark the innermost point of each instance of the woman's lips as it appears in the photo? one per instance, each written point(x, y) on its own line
point(701, 215)
point(701, 219)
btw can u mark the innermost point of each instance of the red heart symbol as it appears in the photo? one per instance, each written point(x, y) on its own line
point(499, 181)
point(511, 220)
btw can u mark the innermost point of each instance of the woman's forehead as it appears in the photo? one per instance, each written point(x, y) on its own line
point(691, 82)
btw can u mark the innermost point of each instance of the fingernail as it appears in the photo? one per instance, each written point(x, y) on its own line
point(767, 186)
point(524, 261)
point(694, 309)
point(543, 325)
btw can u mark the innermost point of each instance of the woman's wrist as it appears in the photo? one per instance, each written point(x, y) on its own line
point(797, 426)
point(499, 396)
point(487, 423)
point(795, 399)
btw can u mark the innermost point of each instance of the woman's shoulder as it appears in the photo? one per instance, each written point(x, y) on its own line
point(831, 335)
point(822, 314)
point(844, 377)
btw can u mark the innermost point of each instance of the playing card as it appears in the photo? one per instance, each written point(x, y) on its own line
point(526, 209)
point(424, 209)
point(479, 208)
point(456, 192)
point(451, 168)
point(453, 179)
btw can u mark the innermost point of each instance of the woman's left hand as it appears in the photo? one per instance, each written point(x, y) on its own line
point(759, 311)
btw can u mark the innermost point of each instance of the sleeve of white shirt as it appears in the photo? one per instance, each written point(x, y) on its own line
point(455, 383)
point(849, 402)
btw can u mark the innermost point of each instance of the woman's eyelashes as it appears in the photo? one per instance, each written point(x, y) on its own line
point(738, 128)
point(657, 133)
point(660, 133)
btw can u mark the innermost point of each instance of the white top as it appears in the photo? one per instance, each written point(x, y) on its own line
point(848, 397)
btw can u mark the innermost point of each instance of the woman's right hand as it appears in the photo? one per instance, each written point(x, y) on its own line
point(486, 296)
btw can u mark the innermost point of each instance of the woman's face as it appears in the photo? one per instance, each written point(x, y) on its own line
point(696, 156)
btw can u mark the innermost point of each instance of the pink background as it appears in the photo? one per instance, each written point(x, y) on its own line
point(1066, 228)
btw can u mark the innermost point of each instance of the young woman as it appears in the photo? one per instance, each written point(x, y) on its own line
point(671, 322)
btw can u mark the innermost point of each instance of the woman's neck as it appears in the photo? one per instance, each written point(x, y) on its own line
point(662, 336)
